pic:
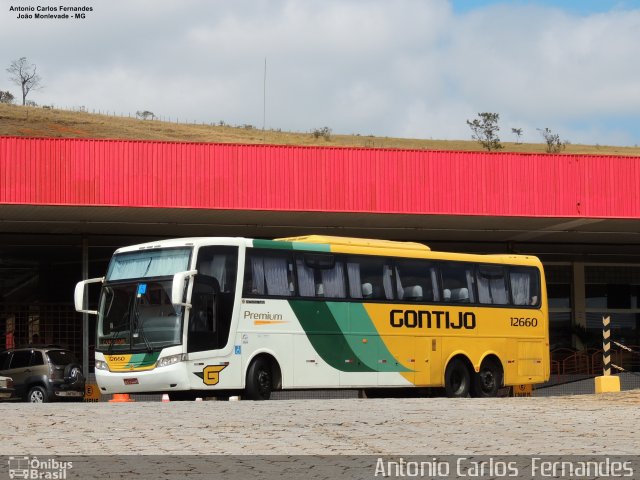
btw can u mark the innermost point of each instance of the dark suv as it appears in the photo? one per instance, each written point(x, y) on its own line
point(43, 374)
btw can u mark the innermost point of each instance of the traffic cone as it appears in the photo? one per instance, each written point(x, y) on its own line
point(165, 397)
point(121, 397)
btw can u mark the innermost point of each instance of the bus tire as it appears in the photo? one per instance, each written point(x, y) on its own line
point(457, 379)
point(488, 380)
point(259, 380)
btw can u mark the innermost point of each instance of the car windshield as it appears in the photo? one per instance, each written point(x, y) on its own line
point(138, 316)
point(61, 357)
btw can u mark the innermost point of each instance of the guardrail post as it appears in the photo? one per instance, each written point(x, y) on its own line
point(607, 382)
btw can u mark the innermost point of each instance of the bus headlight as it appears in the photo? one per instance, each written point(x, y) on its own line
point(170, 360)
point(100, 365)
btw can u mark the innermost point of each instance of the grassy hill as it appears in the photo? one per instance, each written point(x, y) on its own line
point(39, 122)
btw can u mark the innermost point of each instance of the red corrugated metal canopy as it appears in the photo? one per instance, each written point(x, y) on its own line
point(283, 178)
point(223, 177)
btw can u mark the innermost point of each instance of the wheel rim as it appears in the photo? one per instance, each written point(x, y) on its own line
point(36, 397)
point(264, 383)
point(487, 381)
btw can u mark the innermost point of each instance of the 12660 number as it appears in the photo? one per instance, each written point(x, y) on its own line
point(524, 322)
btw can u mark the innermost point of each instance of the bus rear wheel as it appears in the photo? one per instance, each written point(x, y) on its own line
point(457, 379)
point(259, 380)
point(488, 380)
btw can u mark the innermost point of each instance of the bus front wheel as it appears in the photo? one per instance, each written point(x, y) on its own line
point(488, 380)
point(457, 379)
point(259, 380)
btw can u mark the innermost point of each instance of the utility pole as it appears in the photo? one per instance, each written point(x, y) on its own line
point(264, 99)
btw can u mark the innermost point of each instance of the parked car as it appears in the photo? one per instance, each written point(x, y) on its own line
point(43, 374)
point(6, 388)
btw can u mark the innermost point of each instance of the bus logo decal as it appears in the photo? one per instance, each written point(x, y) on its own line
point(431, 319)
point(210, 375)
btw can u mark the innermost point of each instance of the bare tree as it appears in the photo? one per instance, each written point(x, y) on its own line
point(485, 130)
point(518, 133)
point(24, 74)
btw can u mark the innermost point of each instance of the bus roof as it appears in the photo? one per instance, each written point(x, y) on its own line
point(356, 242)
point(335, 244)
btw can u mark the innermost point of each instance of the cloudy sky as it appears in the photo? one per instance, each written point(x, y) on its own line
point(405, 68)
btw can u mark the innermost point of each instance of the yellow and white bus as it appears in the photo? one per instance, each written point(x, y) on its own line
point(209, 316)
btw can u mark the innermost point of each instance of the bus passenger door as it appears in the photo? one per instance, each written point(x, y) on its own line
point(208, 336)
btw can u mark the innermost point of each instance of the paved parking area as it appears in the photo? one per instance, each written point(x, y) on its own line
point(585, 425)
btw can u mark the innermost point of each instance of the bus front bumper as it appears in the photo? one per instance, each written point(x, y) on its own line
point(163, 379)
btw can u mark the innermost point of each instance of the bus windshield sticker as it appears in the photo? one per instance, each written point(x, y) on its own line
point(142, 289)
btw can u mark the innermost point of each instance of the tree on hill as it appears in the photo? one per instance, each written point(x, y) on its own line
point(24, 74)
point(485, 130)
point(145, 115)
point(554, 144)
point(6, 97)
point(518, 133)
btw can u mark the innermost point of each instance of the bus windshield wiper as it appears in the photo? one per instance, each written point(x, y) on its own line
point(116, 332)
point(139, 327)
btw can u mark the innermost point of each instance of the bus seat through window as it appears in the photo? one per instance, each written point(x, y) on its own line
point(460, 295)
point(414, 293)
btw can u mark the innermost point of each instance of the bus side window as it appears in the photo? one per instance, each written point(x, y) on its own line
point(333, 281)
point(221, 263)
point(525, 286)
point(416, 281)
point(457, 282)
point(370, 278)
point(492, 285)
point(269, 273)
point(320, 275)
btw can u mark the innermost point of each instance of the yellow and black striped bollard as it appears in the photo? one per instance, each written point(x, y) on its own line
point(607, 382)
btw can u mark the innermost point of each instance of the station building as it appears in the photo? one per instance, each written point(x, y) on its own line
point(67, 204)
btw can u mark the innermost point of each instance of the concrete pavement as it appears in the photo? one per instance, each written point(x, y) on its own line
point(584, 424)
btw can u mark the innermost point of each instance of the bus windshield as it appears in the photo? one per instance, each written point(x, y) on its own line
point(135, 311)
point(138, 316)
point(148, 263)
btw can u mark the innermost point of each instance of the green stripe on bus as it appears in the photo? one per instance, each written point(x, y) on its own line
point(277, 245)
point(363, 338)
point(143, 359)
point(312, 247)
point(326, 336)
point(272, 244)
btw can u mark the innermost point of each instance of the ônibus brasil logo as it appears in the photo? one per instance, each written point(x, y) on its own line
point(34, 468)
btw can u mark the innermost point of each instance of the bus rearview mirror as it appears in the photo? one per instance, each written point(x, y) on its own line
point(177, 288)
point(78, 295)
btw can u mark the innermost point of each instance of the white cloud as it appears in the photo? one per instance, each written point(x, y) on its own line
point(408, 67)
